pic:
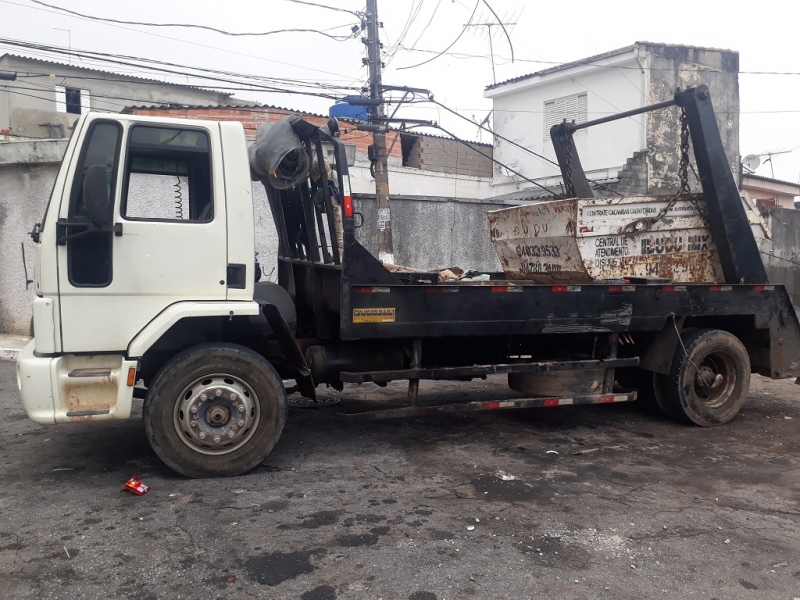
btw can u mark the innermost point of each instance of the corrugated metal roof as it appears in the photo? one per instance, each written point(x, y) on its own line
point(117, 74)
point(597, 57)
point(538, 194)
point(771, 180)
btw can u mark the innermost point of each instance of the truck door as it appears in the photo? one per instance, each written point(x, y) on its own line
point(168, 239)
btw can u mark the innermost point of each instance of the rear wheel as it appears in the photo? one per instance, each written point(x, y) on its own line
point(215, 410)
point(708, 381)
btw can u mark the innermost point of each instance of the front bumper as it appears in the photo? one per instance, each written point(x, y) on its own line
point(74, 388)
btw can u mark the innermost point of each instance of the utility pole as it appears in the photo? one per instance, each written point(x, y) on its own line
point(376, 113)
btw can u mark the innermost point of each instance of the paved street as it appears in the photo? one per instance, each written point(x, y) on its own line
point(572, 502)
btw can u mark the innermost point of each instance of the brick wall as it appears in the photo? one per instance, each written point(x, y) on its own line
point(633, 177)
point(251, 118)
point(449, 156)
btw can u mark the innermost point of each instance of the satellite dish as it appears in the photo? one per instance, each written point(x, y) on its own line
point(512, 164)
point(751, 162)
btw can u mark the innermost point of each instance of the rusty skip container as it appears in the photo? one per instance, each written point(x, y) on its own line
point(581, 240)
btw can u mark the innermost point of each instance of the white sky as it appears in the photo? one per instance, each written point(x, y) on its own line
point(545, 33)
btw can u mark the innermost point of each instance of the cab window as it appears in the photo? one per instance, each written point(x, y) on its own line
point(168, 175)
point(89, 254)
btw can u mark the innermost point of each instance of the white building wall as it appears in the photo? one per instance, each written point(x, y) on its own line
point(612, 85)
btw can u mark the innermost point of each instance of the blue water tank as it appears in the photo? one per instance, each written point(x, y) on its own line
point(343, 110)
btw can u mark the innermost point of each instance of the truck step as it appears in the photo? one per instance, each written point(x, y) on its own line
point(478, 370)
point(90, 373)
point(422, 411)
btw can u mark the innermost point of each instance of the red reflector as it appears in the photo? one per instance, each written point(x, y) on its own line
point(499, 288)
point(668, 288)
point(615, 288)
point(362, 290)
point(715, 288)
point(491, 405)
point(560, 288)
point(758, 288)
point(552, 402)
point(348, 207)
point(607, 399)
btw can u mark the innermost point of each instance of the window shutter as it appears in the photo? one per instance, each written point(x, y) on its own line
point(85, 105)
point(568, 108)
point(61, 99)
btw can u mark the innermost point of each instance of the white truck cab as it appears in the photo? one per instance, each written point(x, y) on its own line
point(132, 192)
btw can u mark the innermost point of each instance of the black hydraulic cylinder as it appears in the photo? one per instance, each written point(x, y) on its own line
point(737, 248)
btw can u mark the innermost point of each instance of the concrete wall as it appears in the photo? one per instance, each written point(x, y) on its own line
point(672, 67)
point(28, 104)
point(781, 255)
point(433, 233)
point(27, 173)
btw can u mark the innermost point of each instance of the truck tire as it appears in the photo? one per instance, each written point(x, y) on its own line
point(708, 383)
point(215, 410)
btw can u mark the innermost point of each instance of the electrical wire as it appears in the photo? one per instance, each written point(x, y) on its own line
point(335, 8)
point(127, 61)
point(472, 147)
point(513, 143)
point(453, 43)
point(338, 38)
point(182, 41)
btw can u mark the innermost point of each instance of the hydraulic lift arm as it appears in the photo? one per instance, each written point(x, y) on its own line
point(738, 252)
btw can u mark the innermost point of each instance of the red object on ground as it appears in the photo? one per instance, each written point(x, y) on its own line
point(135, 485)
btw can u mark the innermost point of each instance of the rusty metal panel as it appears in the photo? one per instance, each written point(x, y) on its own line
point(582, 240)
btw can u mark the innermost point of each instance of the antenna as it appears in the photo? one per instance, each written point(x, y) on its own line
point(489, 25)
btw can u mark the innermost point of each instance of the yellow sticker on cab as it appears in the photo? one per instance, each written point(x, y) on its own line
point(373, 315)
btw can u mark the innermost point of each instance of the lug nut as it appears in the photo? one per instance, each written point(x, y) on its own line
point(203, 397)
point(241, 408)
point(193, 410)
point(218, 393)
point(216, 439)
point(194, 423)
point(231, 434)
point(240, 423)
point(202, 435)
point(233, 397)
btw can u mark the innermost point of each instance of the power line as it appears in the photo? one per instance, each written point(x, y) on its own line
point(338, 38)
point(216, 75)
point(453, 43)
point(335, 8)
point(182, 41)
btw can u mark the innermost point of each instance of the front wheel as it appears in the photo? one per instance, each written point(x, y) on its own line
point(215, 410)
point(708, 381)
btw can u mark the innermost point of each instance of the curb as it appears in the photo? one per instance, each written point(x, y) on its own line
point(9, 353)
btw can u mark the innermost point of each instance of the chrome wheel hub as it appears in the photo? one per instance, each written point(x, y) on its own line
point(216, 414)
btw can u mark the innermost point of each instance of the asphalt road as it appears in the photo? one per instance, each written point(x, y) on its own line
point(571, 502)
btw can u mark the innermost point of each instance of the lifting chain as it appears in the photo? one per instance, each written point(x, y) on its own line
point(646, 224)
point(568, 167)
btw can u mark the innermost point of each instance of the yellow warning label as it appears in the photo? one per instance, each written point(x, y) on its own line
point(373, 315)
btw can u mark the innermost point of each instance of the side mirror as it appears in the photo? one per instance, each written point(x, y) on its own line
point(96, 197)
